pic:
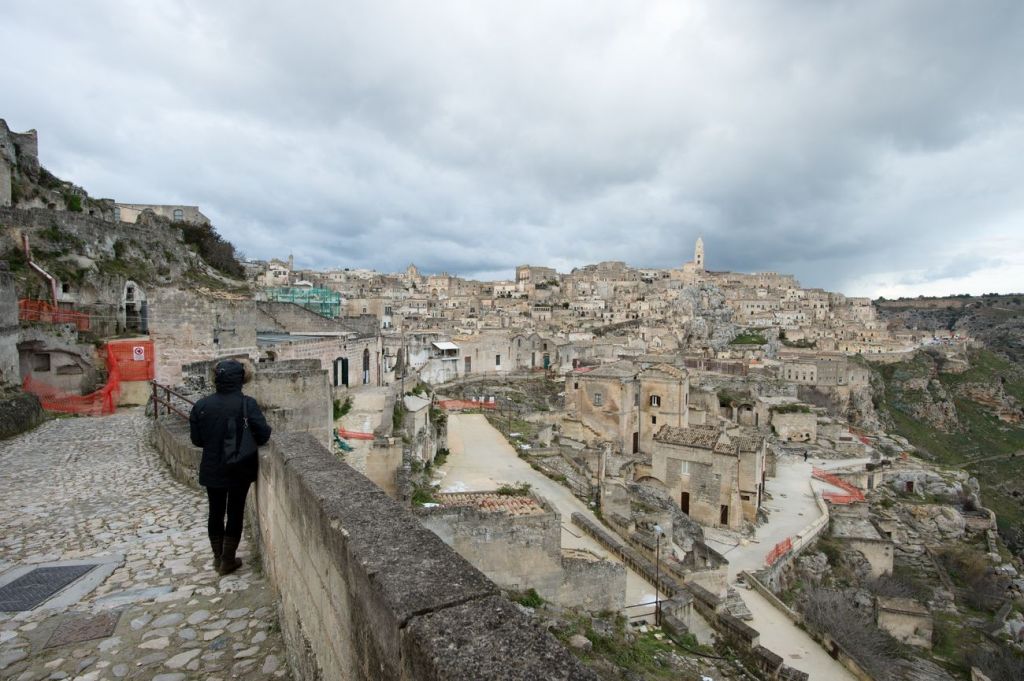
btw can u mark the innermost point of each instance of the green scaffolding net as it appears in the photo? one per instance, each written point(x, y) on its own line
point(324, 302)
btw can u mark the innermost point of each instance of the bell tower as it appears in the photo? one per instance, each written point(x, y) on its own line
point(698, 254)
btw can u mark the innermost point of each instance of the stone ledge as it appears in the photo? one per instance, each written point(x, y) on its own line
point(485, 639)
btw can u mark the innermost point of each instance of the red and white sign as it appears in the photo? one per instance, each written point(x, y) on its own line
point(139, 353)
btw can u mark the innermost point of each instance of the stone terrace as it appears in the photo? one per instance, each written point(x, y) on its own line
point(94, 490)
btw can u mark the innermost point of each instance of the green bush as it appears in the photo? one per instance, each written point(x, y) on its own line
point(212, 247)
point(73, 202)
point(530, 598)
point(340, 408)
point(521, 489)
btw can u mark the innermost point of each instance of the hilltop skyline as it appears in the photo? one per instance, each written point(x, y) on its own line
point(872, 149)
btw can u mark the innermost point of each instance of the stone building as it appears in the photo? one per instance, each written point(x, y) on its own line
point(905, 619)
point(717, 478)
point(130, 212)
point(516, 542)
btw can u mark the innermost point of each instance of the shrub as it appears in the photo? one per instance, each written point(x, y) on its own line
point(340, 409)
point(73, 202)
point(212, 247)
point(520, 489)
point(530, 598)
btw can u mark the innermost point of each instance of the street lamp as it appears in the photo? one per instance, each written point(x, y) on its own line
point(657, 575)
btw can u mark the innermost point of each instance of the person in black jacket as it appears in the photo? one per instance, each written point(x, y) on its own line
point(226, 485)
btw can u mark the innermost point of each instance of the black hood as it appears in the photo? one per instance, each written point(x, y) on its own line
point(229, 376)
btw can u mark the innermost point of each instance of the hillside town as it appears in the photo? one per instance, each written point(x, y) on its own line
point(710, 456)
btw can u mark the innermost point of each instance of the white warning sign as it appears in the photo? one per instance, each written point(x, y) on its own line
point(139, 353)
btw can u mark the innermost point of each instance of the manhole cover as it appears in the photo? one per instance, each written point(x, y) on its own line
point(84, 627)
point(31, 589)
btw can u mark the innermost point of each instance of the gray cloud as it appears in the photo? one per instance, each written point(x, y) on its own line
point(838, 141)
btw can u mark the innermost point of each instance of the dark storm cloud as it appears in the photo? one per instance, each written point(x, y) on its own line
point(844, 142)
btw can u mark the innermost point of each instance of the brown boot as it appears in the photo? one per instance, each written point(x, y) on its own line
point(217, 544)
point(228, 562)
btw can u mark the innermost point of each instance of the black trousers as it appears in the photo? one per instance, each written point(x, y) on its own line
point(230, 500)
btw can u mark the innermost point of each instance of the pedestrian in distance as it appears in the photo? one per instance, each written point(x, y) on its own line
point(230, 427)
point(805, 455)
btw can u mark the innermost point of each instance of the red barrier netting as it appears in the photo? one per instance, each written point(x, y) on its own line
point(42, 311)
point(465, 404)
point(354, 435)
point(126, 361)
point(779, 550)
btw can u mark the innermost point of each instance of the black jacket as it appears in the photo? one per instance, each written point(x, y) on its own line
point(208, 422)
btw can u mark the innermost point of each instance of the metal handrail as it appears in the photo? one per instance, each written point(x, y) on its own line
point(157, 400)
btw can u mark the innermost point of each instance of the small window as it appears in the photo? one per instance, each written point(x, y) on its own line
point(497, 360)
point(654, 420)
point(655, 400)
point(41, 361)
point(179, 215)
point(598, 399)
point(576, 385)
point(684, 467)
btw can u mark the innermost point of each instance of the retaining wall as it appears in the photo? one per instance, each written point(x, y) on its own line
point(364, 590)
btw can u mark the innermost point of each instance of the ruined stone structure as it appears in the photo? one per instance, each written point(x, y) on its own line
point(516, 541)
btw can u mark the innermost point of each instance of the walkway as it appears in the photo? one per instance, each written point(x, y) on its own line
point(791, 508)
point(92, 490)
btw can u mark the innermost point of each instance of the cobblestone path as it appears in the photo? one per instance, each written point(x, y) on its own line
point(93, 489)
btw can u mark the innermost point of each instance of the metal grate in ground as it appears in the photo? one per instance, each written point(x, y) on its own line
point(84, 627)
point(31, 589)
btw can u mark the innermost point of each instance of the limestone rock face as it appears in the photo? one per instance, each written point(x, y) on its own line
point(943, 523)
point(814, 567)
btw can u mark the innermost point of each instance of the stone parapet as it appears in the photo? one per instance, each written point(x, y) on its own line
point(364, 590)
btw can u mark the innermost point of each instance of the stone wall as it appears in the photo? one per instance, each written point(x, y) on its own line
point(364, 591)
point(187, 327)
point(296, 398)
point(592, 584)
point(9, 328)
point(516, 552)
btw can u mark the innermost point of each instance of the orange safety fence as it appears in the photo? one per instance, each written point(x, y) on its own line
point(779, 550)
point(354, 435)
point(134, 359)
point(133, 365)
point(43, 311)
point(466, 404)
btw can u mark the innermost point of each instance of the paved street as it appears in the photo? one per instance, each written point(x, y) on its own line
point(790, 509)
point(93, 490)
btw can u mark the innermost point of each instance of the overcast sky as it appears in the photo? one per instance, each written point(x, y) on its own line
point(867, 147)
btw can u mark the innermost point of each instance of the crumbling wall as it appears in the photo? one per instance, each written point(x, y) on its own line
point(592, 584)
point(517, 552)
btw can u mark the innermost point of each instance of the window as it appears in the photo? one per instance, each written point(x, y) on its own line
point(497, 360)
point(41, 361)
point(387, 309)
point(598, 398)
point(654, 420)
point(576, 385)
point(179, 215)
point(655, 400)
point(117, 214)
point(684, 467)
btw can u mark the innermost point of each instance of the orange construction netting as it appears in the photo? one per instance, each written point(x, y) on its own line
point(465, 404)
point(43, 311)
point(126, 361)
